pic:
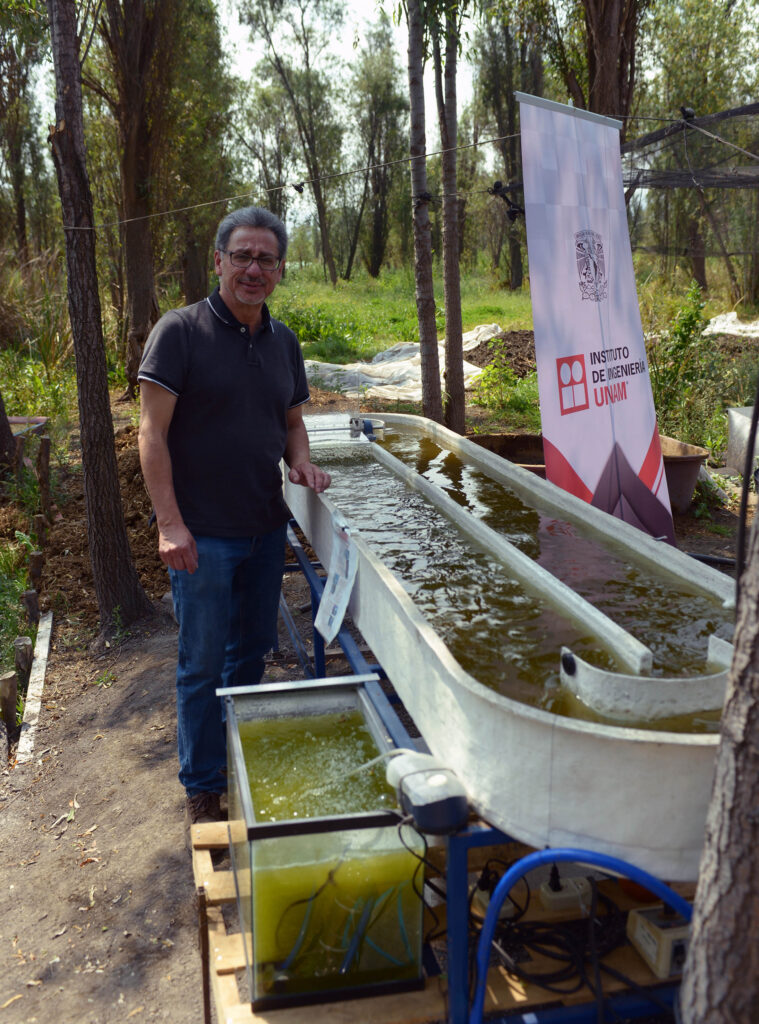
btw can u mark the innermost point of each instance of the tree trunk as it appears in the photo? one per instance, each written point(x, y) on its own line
point(142, 303)
point(611, 33)
point(194, 265)
point(356, 230)
point(696, 253)
point(751, 276)
point(120, 596)
point(7, 441)
point(721, 980)
point(326, 245)
point(455, 403)
point(432, 406)
point(19, 203)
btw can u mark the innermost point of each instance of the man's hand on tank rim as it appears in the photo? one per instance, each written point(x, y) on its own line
point(308, 475)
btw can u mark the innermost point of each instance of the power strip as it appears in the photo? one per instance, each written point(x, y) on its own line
point(661, 937)
point(572, 894)
point(481, 902)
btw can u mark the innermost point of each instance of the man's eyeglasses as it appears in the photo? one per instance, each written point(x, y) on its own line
point(240, 258)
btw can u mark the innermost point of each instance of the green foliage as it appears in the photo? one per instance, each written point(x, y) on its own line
point(12, 586)
point(676, 357)
point(324, 335)
point(692, 382)
point(26, 491)
point(28, 389)
point(36, 362)
point(514, 400)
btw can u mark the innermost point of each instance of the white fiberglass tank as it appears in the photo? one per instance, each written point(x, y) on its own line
point(472, 640)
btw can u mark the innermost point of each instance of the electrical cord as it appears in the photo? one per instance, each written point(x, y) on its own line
point(423, 862)
point(570, 944)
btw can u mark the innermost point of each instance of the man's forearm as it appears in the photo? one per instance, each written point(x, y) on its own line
point(156, 470)
point(297, 450)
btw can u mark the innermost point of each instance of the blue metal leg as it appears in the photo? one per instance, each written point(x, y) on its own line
point(457, 929)
point(457, 913)
point(320, 662)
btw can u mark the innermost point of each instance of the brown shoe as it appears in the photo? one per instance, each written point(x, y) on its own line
point(203, 807)
point(199, 809)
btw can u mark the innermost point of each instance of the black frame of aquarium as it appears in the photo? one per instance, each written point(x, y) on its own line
point(386, 736)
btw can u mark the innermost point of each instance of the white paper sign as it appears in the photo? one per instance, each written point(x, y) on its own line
point(600, 435)
point(337, 589)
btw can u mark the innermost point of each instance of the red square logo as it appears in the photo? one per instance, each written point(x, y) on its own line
point(573, 385)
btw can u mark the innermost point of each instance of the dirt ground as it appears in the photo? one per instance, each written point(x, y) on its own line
point(97, 915)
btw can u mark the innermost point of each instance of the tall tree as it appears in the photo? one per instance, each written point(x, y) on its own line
point(721, 980)
point(380, 112)
point(508, 57)
point(432, 404)
point(140, 38)
point(267, 140)
point(445, 57)
point(702, 56)
point(592, 45)
point(21, 50)
point(300, 37)
point(194, 169)
point(117, 587)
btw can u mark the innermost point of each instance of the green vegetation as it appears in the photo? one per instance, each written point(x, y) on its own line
point(515, 402)
point(12, 586)
point(693, 383)
point(366, 315)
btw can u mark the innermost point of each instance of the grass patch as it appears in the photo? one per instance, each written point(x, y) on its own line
point(359, 318)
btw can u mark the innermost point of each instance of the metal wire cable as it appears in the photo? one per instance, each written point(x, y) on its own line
point(299, 185)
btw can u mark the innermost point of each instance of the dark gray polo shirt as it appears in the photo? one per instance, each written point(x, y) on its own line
point(229, 428)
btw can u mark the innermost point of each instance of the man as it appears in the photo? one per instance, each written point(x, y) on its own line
point(222, 388)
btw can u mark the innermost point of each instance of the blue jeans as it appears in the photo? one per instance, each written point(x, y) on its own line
point(227, 614)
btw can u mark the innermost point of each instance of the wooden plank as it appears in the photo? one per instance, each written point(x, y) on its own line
point(214, 835)
point(422, 1007)
point(221, 888)
point(228, 953)
point(25, 749)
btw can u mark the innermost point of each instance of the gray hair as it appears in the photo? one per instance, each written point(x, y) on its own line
point(252, 217)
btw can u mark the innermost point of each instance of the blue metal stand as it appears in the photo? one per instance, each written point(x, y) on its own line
point(457, 910)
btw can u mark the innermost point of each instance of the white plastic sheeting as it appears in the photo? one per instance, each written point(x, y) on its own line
point(395, 374)
point(728, 323)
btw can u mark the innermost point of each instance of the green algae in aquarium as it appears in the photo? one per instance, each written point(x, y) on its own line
point(330, 912)
point(313, 766)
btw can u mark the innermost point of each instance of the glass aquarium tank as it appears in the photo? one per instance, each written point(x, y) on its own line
point(328, 890)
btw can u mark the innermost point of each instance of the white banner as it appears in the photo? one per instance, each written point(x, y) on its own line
point(600, 437)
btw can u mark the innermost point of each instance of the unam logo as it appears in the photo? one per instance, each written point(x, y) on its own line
point(573, 384)
point(591, 265)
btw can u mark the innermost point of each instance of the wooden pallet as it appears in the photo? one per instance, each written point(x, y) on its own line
point(223, 957)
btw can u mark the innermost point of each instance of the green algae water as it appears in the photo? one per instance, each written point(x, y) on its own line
point(311, 766)
point(504, 637)
point(329, 911)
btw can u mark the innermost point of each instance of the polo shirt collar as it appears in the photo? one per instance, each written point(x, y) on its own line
point(220, 309)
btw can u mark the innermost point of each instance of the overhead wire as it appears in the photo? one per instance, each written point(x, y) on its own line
point(299, 186)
